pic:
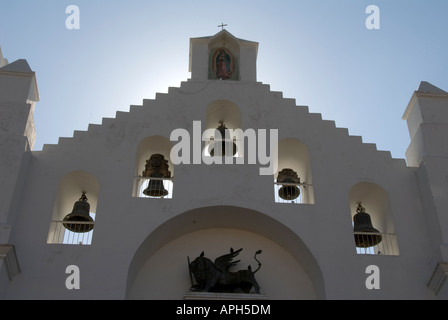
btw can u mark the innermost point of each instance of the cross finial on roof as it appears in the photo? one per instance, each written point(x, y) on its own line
point(222, 26)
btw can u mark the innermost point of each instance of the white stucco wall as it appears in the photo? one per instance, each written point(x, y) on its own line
point(141, 244)
point(123, 222)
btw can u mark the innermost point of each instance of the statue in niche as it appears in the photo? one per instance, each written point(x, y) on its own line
point(217, 277)
point(223, 64)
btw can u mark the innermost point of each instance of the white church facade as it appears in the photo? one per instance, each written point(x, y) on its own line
point(123, 209)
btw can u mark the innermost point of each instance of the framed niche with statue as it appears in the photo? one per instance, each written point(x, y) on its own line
point(223, 65)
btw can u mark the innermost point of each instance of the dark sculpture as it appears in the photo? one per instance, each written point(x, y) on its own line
point(216, 277)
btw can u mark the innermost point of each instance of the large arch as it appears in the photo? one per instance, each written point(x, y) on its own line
point(196, 227)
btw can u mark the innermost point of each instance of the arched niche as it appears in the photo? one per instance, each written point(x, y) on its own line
point(375, 201)
point(159, 268)
point(224, 48)
point(146, 148)
point(294, 154)
point(223, 111)
point(70, 190)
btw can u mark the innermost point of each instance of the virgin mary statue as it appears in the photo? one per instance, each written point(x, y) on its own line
point(223, 68)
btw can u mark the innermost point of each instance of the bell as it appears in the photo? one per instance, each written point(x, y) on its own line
point(223, 143)
point(288, 192)
point(156, 167)
point(155, 187)
point(80, 213)
point(363, 224)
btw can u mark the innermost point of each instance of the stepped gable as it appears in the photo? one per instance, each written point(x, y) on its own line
point(281, 104)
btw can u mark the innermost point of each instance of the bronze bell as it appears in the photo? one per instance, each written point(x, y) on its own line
point(156, 167)
point(223, 143)
point(362, 223)
point(288, 192)
point(80, 213)
point(155, 187)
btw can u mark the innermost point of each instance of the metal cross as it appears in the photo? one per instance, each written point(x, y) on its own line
point(222, 26)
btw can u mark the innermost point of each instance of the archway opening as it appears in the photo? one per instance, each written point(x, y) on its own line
point(294, 173)
point(161, 182)
point(71, 189)
point(374, 200)
point(214, 230)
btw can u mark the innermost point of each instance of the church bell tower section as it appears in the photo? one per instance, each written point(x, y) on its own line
point(18, 97)
point(427, 119)
point(223, 57)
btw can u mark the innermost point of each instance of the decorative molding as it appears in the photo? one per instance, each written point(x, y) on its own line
point(9, 258)
point(438, 277)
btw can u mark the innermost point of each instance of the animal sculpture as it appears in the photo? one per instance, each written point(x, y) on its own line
point(216, 276)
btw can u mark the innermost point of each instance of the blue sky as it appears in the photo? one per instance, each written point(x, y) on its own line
point(318, 52)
